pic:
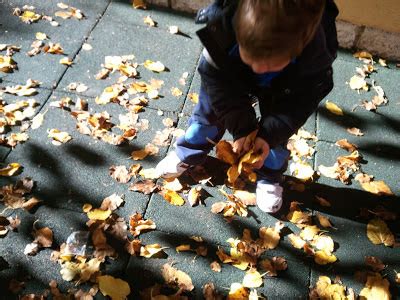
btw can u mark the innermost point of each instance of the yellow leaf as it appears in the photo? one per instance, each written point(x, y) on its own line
point(154, 66)
point(176, 92)
point(324, 243)
point(99, 214)
point(194, 195)
point(149, 21)
point(149, 250)
point(298, 217)
point(252, 279)
point(309, 232)
point(326, 290)
point(362, 55)
point(269, 237)
point(182, 248)
point(41, 36)
point(324, 258)
point(149, 173)
point(333, 108)
point(59, 136)
point(66, 61)
point(177, 277)
point(233, 174)
point(377, 187)
point(194, 97)
point(296, 241)
point(87, 207)
point(237, 292)
point(357, 83)
point(174, 198)
point(225, 152)
point(376, 287)
point(379, 233)
point(116, 288)
point(10, 169)
point(29, 16)
point(245, 197)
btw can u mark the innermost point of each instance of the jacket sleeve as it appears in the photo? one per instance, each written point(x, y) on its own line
point(292, 109)
point(229, 99)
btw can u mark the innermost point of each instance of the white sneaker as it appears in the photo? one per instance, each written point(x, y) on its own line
point(269, 196)
point(171, 166)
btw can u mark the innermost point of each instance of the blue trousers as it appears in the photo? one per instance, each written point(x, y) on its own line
point(193, 147)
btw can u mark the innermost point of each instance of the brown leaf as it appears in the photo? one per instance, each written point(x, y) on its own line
point(133, 247)
point(176, 277)
point(322, 201)
point(146, 187)
point(375, 263)
point(43, 237)
point(355, 131)
point(245, 197)
point(120, 174)
point(215, 266)
point(137, 224)
point(112, 202)
point(377, 187)
point(379, 233)
point(324, 221)
point(225, 152)
point(344, 144)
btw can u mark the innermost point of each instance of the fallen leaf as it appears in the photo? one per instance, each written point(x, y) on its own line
point(150, 250)
point(245, 197)
point(215, 266)
point(146, 187)
point(150, 173)
point(377, 187)
point(323, 258)
point(376, 287)
point(10, 170)
point(324, 221)
point(138, 224)
point(173, 198)
point(322, 201)
point(309, 232)
point(355, 131)
point(326, 290)
point(66, 61)
point(120, 174)
point(87, 47)
point(382, 62)
point(176, 92)
point(333, 108)
point(59, 137)
point(173, 29)
point(37, 121)
point(358, 82)
point(379, 233)
point(194, 97)
point(99, 214)
point(154, 66)
point(296, 241)
point(41, 36)
point(116, 288)
point(43, 237)
point(302, 170)
point(344, 144)
point(252, 279)
point(323, 243)
point(139, 4)
point(173, 185)
point(375, 263)
point(194, 195)
point(176, 277)
point(237, 292)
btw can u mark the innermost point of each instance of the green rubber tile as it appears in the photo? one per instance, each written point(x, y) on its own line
point(70, 34)
point(78, 172)
point(119, 34)
point(381, 129)
point(40, 97)
point(290, 284)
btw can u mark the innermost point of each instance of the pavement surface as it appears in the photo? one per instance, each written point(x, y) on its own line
point(75, 173)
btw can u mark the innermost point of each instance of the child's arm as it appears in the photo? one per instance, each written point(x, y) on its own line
point(229, 100)
point(292, 110)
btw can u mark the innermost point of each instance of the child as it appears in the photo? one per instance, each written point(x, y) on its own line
point(279, 52)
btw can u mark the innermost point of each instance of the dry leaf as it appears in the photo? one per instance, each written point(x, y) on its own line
point(173, 185)
point(296, 241)
point(137, 224)
point(176, 92)
point(194, 97)
point(10, 170)
point(379, 233)
point(154, 66)
point(302, 170)
point(215, 266)
point(326, 290)
point(66, 61)
point(146, 187)
point(116, 288)
point(150, 173)
point(358, 82)
point(41, 36)
point(376, 287)
point(173, 198)
point(237, 292)
point(355, 131)
point(59, 137)
point(120, 174)
point(323, 257)
point(323, 243)
point(252, 279)
point(309, 232)
point(87, 47)
point(149, 21)
point(139, 4)
point(344, 144)
point(377, 187)
point(173, 29)
point(194, 195)
point(333, 108)
point(375, 263)
point(150, 250)
point(324, 221)
point(99, 214)
point(245, 197)
point(176, 277)
point(43, 237)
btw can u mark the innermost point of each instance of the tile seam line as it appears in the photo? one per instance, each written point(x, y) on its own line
point(55, 86)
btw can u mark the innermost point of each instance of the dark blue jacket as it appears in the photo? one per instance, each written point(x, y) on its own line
point(291, 97)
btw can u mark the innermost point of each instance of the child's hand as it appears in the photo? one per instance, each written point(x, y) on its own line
point(261, 147)
point(242, 145)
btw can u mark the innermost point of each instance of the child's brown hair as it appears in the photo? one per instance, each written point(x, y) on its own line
point(276, 28)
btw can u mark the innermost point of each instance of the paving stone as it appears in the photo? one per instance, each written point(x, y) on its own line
point(382, 167)
point(37, 271)
point(70, 34)
point(121, 32)
point(78, 172)
point(382, 126)
point(41, 97)
point(291, 283)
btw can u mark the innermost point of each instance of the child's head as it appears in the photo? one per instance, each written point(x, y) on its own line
point(270, 33)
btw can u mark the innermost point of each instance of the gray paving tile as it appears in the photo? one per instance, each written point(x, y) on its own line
point(40, 268)
point(118, 33)
point(70, 34)
point(40, 97)
point(290, 284)
point(382, 126)
point(77, 172)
